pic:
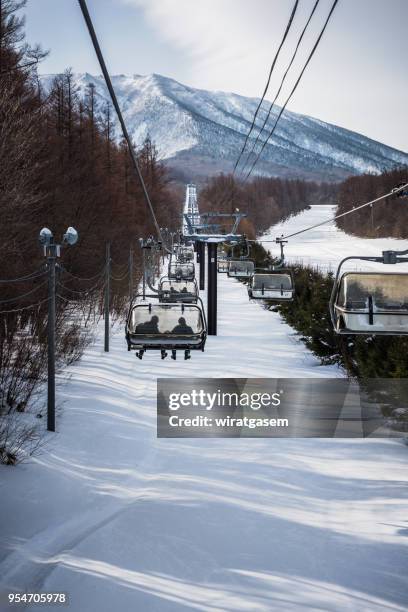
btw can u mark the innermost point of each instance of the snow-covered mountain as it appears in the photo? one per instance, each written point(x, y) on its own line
point(201, 132)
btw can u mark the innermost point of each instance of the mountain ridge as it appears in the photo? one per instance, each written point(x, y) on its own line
point(200, 132)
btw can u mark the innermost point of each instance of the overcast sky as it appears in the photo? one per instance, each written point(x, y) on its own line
point(357, 78)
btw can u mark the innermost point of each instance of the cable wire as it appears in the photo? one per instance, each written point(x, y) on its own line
point(293, 89)
point(92, 33)
point(121, 278)
point(20, 297)
point(281, 84)
point(83, 292)
point(80, 278)
point(67, 300)
point(348, 212)
point(25, 307)
point(31, 276)
point(121, 267)
point(267, 82)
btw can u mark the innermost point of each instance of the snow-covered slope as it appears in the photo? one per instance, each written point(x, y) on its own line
point(325, 246)
point(124, 521)
point(201, 132)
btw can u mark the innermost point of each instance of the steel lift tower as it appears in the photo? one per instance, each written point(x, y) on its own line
point(205, 228)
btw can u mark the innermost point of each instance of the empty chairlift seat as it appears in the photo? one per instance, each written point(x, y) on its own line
point(181, 271)
point(277, 285)
point(185, 254)
point(222, 266)
point(242, 268)
point(371, 303)
point(166, 326)
point(171, 291)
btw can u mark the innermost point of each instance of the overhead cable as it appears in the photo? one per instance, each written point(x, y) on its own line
point(292, 15)
point(293, 90)
point(331, 219)
point(281, 84)
point(132, 152)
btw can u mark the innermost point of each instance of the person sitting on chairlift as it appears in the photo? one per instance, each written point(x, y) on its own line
point(149, 327)
point(182, 328)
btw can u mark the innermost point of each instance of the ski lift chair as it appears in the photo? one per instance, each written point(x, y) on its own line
point(181, 271)
point(166, 327)
point(241, 268)
point(370, 302)
point(178, 290)
point(222, 266)
point(276, 285)
point(185, 255)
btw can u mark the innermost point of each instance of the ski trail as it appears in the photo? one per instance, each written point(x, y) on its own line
point(123, 520)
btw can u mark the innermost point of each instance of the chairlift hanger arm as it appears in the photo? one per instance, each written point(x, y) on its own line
point(400, 252)
point(149, 284)
point(147, 246)
point(357, 257)
point(235, 226)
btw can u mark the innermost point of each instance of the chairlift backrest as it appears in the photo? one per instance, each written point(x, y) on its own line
point(171, 290)
point(166, 319)
point(185, 271)
point(164, 326)
point(370, 303)
point(272, 281)
point(275, 285)
point(241, 267)
point(388, 291)
point(185, 253)
point(222, 266)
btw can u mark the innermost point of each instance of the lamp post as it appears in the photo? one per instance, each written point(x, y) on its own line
point(51, 252)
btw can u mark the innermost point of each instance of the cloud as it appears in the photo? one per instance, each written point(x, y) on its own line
point(230, 44)
point(227, 40)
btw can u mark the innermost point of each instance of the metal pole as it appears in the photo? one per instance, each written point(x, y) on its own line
point(144, 273)
point(212, 289)
point(130, 274)
point(107, 297)
point(201, 247)
point(51, 258)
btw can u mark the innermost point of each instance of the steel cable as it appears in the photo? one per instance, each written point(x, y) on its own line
point(347, 212)
point(293, 90)
point(24, 295)
point(25, 307)
point(81, 278)
point(281, 85)
point(267, 82)
point(21, 279)
point(132, 152)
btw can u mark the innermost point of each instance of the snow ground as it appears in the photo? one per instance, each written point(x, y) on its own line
point(325, 246)
point(122, 520)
